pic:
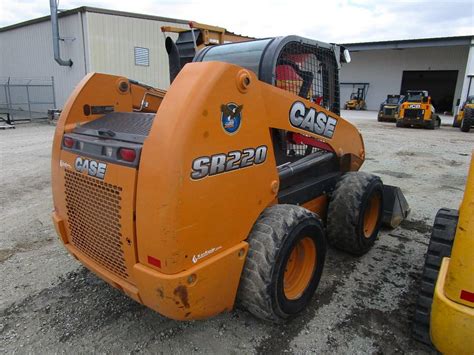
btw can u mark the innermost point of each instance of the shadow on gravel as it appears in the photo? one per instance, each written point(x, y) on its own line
point(81, 306)
point(78, 304)
point(280, 336)
point(391, 330)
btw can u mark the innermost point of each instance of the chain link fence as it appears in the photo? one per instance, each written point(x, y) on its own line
point(25, 99)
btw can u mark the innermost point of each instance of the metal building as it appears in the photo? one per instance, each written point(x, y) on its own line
point(114, 42)
point(440, 65)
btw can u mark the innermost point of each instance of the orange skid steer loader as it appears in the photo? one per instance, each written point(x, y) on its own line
point(224, 189)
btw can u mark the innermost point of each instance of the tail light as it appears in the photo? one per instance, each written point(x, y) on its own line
point(127, 154)
point(68, 142)
point(467, 296)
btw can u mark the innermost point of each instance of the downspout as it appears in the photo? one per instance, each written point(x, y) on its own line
point(55, 26)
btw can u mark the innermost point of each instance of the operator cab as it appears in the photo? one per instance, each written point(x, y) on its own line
point(470, 100)
point(304, 67)
point(394, 99)
point(307, 68)
point(417, 96)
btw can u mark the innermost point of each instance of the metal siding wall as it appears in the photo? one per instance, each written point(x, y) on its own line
point(28, 52)
point(383, 69)
point(111, 47)
point(469, 71)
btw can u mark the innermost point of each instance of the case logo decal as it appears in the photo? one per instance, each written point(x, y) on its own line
point(222, 163)
point(308, 119)
point(231, 117)
point(91, 167)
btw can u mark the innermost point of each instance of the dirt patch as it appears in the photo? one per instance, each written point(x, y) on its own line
point(182, 292)
point(454, 163)
point(391, 330)
point(5, 254)
point(282, 335)
point(406, 153)
point(419, 226)
point(397, 174)
point(448, 187)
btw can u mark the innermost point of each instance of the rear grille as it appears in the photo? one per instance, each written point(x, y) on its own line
point(93, 210)
point(413, 113)
point(389, 111)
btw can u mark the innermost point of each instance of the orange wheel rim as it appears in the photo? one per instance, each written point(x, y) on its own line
point(299, 268)
point(371, 215)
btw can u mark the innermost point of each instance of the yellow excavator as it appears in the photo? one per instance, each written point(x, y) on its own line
point(444, 313)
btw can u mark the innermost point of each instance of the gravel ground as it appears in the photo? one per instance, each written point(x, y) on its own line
point(50, 303)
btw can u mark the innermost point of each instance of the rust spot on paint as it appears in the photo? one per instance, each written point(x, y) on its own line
point(182, 292)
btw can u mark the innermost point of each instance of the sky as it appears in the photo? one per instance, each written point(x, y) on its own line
point(340, 21)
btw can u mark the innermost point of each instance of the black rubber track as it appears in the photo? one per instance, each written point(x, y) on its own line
point(441, 243)
point(467, 120)
point(345, 206)
point(258, 284)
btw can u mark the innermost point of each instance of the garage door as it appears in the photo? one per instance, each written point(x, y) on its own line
point(440, 84)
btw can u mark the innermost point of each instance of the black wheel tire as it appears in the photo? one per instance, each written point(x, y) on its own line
point(433, 123)
point(467, 120)
point(440, 246)
point(347, 208)
point(379, 119)
point(400, 124)
point(272, 239)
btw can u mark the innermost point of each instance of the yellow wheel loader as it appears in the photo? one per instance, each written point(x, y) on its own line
point(225, 189)
point(465, 117)
point(445, 308)
point(390, 108)
point(417, 111)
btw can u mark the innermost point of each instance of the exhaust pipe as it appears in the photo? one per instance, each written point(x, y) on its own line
point(55, 26)
point(173, 57)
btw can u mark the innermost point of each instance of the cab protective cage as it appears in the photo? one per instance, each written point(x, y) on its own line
point(290, 58)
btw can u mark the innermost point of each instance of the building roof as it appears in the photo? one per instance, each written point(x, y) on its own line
point(103, 11)
point(411, 43)
point(95, 10)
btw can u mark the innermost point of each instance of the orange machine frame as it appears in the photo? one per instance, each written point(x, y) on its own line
point(170, 217)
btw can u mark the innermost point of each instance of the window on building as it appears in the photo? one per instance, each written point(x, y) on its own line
point(142, 56)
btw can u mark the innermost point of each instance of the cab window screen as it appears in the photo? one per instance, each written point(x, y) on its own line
point(310, 72)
